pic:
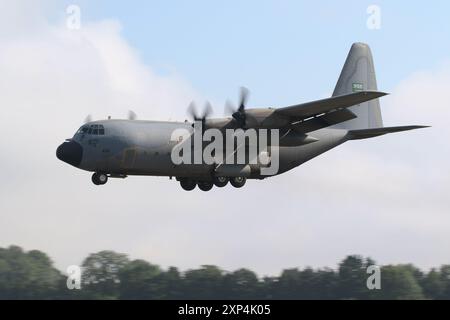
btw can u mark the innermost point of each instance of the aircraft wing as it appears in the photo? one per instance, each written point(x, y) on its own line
point(319, 107)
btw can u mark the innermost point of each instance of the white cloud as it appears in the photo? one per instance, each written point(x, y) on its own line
point(386, 197)
point(21, 17)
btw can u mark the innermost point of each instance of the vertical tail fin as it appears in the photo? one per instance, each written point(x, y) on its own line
point(358, 74)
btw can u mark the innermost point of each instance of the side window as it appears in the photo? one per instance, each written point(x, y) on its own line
point(101, 130)
point(90, 130)
point(95, 130)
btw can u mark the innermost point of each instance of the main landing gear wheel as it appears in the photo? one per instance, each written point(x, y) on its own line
point(220, 182)
point(99, 179)
point(238, 182)
point(205, 186)
point(187, 184)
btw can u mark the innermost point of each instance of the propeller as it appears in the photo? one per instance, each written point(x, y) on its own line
point(239, 114)
point(132, 115)
point(207, 111)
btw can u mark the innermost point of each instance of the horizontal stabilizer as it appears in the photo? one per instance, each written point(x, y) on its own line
point(371, 133)
point(309, 109)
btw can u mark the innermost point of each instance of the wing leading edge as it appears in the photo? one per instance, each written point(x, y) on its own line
point(315, 108)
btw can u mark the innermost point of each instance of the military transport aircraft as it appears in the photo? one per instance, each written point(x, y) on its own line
point(120, 148)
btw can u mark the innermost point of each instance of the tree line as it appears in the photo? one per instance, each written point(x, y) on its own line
point(111, 275)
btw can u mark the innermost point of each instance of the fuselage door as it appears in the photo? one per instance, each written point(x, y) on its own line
point(129, 159)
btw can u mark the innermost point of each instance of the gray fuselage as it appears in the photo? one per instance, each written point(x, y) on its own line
point(144, 148)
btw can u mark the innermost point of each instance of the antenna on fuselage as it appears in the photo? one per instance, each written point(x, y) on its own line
point(88, 119)
point(132, 115)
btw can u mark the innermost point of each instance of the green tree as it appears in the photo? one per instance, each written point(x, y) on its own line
point(110, 275)
point(204, 283)
point(241, 284)
point(433, 286)
point(27, 275)
point(445, 278)
point(399, 283)
point(101, 274)
point(326, 284)
point(309, 284)
point(306, 284)
point(139, 280)
point(171, 284)
point(353, 278)
point(287, 285)
point(268, 287)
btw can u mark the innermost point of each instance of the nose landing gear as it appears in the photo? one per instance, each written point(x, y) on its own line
point(99, 179)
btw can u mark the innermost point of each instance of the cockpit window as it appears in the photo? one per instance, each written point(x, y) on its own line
point(83, 130)
point(95, 129)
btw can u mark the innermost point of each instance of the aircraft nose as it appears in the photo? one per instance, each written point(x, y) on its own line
point(70, 152)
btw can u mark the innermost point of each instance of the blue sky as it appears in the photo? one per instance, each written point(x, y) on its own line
point(284, 51)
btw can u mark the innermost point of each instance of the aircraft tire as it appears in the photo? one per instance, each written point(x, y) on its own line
point(205, 186)
point(221, 182)
point(99, 179)
point(188, 185)
point(238, 182)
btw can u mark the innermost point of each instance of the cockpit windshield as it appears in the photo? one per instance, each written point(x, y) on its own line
point(95, 129)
